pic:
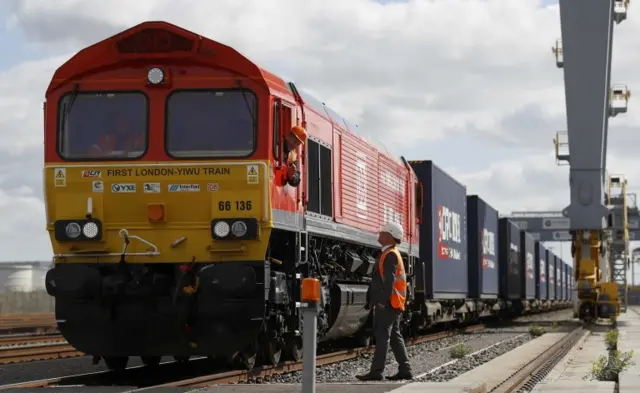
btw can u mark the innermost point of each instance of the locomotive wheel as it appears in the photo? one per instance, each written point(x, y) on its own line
point(150, 361)
point(294, 349)
point(272, 352)
point(116, 363)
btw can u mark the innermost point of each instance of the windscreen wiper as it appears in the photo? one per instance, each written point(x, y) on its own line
point(67, 107)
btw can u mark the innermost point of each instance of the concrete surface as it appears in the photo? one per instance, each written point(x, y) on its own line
point(497, 370)
point(629, 339)
point(296, 388)
point(574, 386)
point(442, 387)
point(37, 302)
point(577, 363)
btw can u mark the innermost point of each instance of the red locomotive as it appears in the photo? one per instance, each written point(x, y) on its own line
point(175, 234)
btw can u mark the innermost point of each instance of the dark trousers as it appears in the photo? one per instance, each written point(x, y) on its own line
point(386, 328)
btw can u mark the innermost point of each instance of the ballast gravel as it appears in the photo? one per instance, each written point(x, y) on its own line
point(468, 363)
point(424, 357)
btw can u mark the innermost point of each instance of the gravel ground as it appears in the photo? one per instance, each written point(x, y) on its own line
point(424, 357)
point(427, 356)
point(470, 362)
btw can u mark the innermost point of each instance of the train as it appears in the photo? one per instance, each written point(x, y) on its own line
point(174, 233)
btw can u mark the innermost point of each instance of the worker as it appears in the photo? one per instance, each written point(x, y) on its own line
point(121, 138)
point(387, 297)
point(296, 137)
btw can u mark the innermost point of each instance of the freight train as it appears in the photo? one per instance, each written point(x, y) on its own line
point(175, 234)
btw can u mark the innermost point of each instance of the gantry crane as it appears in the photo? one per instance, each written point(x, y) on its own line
point(598, 223)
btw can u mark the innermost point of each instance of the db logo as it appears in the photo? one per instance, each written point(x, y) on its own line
point(212, 187)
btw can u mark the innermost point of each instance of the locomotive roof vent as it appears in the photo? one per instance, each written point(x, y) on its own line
point(154, 40)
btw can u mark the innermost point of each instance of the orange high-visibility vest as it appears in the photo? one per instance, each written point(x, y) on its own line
point(399, 294)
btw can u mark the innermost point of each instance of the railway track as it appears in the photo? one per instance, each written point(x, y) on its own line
point(525, 379)
point(23, 339)
point(39, 351)
point(233, 376)
point(31, 323)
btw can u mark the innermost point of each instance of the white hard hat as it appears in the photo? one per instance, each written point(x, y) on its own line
point(394, 229)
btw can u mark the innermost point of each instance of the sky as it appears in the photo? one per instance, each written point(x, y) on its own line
point(470, 84)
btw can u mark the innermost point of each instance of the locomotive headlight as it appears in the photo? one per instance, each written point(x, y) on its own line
point(72, 230)
point(155, 76)
point(221, 229)
point(239, 229)
point(90, 230)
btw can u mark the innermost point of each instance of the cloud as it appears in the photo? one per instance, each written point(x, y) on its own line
point(415, 75)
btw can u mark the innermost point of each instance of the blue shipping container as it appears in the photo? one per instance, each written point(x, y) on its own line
point(566, 282)
point(482, 232)
point(558, 278)
point(443, 271)
point(541, 272)
point(551, 270)
point(563, 272)
point(509, 259)
point(528, 272)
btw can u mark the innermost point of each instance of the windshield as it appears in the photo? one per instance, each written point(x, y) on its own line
point(211, 123)
point(103, 125)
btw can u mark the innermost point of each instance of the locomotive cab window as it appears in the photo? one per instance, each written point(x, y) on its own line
point(276, 131)
point(319, 171)
point(211, 123)
point(106, 126)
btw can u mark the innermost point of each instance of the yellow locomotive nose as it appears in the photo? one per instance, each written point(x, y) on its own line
point(171, 213)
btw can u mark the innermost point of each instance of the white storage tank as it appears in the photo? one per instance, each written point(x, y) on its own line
point(25, 279)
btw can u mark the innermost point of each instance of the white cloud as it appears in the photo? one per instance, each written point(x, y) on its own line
point(409, 73)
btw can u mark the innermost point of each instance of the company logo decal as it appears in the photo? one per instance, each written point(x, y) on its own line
point(488, 249)
point(184, 187)
point(119, 188)
point(92, 173)
point(529, 265)
point(449, 231)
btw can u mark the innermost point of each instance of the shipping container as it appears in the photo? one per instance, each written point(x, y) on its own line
point(551, 270)
point(541, 272)
point(482, 232)
point(571, 296)
point(566, 282)
point(443, 270)
point(563, 273)
point(527, 257)
point(509, 259)
point(558, 278)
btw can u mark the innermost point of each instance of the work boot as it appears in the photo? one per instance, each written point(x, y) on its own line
point(370, 376)
point(401, 375)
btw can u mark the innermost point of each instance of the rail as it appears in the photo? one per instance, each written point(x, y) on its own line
point(21, 339)
point(239, 376)
point(43, 351)
point(524, 379)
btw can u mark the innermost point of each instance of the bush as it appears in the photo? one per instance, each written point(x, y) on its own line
point(459, 351)
point(536, 331)
point(607, 369)
point(611, 339)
